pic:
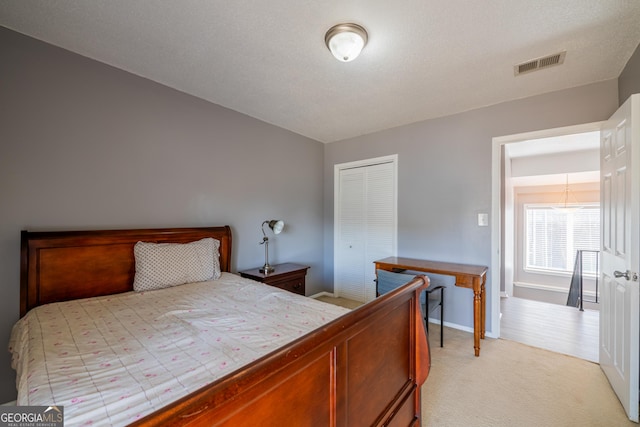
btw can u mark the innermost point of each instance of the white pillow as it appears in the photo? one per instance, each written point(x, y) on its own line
point(162, 265)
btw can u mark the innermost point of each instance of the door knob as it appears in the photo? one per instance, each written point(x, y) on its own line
point(626, 274)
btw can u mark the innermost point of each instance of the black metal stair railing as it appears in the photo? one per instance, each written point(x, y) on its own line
point(576, 297)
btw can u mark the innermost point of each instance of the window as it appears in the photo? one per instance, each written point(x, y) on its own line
point(554, 235)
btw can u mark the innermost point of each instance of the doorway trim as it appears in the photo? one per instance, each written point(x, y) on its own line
point(497, 185)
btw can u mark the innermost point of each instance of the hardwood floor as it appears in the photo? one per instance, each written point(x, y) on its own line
point(553, 327)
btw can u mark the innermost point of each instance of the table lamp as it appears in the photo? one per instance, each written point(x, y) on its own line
point(276, 226)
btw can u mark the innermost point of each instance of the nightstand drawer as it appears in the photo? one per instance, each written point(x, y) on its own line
point(295, 285)
point(290, 277)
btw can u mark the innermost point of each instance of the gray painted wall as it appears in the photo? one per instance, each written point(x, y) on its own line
point(84, 145)
point(444, 176)
point(629, 80)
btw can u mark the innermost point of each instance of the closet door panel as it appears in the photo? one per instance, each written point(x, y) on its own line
point(366, 227)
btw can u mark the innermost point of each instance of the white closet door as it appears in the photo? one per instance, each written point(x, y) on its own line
point(366, 226)
point(350, 248)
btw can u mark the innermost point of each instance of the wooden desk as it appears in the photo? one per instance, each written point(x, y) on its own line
point(467, 276)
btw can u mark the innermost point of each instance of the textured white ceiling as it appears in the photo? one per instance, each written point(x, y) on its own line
point(424, 59)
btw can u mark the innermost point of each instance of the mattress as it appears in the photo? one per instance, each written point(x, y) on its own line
point(115, 359)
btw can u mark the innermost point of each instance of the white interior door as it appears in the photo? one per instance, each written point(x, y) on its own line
point(620, 196)
point(365, 224)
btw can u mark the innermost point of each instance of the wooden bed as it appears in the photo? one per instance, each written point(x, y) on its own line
point(364, 368)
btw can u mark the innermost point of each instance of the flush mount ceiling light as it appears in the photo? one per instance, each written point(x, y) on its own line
point(345, 41)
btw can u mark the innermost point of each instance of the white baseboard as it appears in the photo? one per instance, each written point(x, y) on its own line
point(550, 288)
point(461, 328)
point(452, 325)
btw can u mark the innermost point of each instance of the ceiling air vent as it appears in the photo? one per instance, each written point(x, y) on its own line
point(539, 63)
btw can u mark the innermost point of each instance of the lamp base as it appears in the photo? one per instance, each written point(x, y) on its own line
point(266, 269)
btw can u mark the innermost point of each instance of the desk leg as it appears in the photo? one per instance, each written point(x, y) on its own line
point(483, 305)
point(477, 318)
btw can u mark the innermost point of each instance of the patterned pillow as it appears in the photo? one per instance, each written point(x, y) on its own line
point(162, 265)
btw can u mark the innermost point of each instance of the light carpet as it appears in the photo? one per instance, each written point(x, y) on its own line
point(512, 384)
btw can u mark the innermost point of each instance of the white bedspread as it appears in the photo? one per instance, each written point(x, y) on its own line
point(112, 360)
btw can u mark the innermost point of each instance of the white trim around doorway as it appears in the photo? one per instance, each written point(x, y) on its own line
point(496, 212)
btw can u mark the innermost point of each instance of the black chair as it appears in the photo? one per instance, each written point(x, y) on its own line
point(387, 281)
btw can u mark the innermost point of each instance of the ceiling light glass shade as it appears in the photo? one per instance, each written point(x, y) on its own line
point(346, 41)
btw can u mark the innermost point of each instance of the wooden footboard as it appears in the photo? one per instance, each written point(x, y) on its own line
point(363, 369)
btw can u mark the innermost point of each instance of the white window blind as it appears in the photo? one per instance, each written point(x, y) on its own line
point(553, 237)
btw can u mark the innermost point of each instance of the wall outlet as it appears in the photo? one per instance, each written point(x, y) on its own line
point(483, 219)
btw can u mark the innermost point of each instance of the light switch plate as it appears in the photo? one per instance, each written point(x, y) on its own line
point(483, 219)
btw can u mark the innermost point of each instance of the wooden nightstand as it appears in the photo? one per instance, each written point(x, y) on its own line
point(287, 276)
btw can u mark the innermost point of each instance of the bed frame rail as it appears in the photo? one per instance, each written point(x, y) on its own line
point(365, 368)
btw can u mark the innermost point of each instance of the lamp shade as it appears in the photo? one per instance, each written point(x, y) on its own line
point(276, 225)
point(346, 41)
